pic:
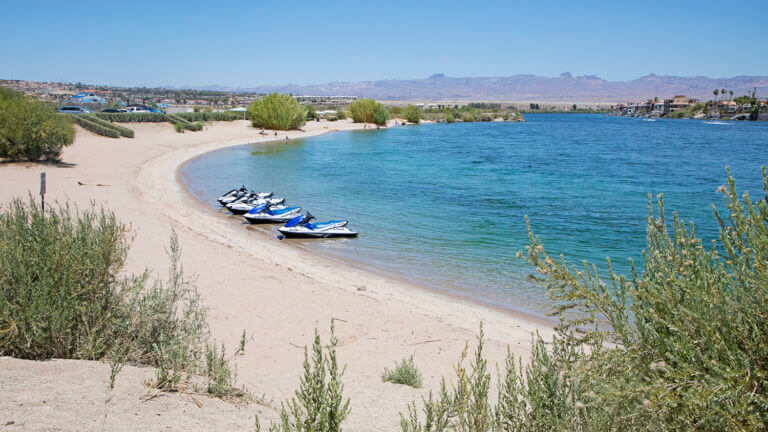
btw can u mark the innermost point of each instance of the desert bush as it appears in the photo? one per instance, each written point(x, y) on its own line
point(147, 117)
point(319, 403)
point(368, 111)
point(395, 110)
point(412, 114)
point(341, 114)
point(122, 130)
point(31, 130)
point(178, 127)
point(91, 125)
point(466, 117)
point(404, 372)
point(210, 116)
point(277, 111)
point(679, 345)
point(61, 296)
point(173, 118)
point(449, 118)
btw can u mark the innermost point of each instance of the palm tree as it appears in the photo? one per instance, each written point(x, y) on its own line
point(716, 92)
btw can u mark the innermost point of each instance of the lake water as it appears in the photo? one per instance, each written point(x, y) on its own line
point(443, 205)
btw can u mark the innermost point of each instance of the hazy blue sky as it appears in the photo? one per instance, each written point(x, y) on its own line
point(263, 42)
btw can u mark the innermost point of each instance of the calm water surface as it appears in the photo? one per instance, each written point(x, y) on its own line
point(443, 205)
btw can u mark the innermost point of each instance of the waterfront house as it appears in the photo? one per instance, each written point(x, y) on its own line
point(661, 108)
point(679, 102)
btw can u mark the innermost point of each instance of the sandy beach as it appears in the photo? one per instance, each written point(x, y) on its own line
point(276, 292)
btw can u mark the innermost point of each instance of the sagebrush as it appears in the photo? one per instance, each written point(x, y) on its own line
point(404, 372)
point(678, 345)
point(62, 296)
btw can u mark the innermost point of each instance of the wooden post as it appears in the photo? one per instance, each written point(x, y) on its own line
point(42, 189)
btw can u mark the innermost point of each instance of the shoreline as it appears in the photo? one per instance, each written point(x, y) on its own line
point(534, 317)
point(278, 295)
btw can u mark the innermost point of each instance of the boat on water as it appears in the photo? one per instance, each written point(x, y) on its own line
point(302, 226)
point(232, 195)
point(244, 206)
point(264, 213)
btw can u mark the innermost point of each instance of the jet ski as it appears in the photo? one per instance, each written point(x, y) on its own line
point(233, 195)
point(248, 196)
point(300, 226)
point(240, 207)
point(265, 213)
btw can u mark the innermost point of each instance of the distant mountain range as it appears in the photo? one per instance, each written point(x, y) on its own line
point(565, 88)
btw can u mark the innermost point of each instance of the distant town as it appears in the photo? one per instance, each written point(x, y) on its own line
point(724, 104)
point(747, 107)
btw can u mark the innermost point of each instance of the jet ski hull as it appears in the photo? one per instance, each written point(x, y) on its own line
point(345, 232)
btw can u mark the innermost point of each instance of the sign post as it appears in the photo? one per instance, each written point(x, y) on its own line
point(42, 189)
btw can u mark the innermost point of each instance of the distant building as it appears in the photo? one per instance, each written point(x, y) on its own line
point(681, 102)
point(661, 108)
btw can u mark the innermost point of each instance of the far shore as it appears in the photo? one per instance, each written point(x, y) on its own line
point(277, 292)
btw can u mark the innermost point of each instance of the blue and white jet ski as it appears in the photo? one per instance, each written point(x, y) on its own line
point(265, 213)
point(240, 207)
point(301, 226)
point(233, 195)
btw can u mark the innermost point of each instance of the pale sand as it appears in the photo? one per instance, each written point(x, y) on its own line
point(277, 292)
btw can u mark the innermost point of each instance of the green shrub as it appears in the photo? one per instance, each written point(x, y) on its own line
point(57, 273)
point(94, 127)
point(148, 117)
point(122, 130)
point(178, 127)
point(277, 111)
point(404, 372)
point(449, 118)
point(62, 296)
point(678, 346)
point(466, 117)
point(210, 116)
point(396, 110)
point(319, 404)
point(341, 114)
point(368, 111)
point(31, 130)
point(412, 114)
point(311, 114)
point(176, 119)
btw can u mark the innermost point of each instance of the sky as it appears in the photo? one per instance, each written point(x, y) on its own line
point(260, 42)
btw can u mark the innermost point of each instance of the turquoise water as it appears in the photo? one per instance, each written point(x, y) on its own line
point(443, 205)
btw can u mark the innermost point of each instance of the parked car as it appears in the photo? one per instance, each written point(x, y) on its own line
point(135, 109)
point(113, 110)
point(73, 110)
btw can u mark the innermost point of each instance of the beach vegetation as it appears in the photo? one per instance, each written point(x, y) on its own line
point(63, 295)
point(124, 131)
point(91, 125)
point(675, 345)
point(210, 116)
point(395, 110)
point(341, 114)
point(412, 114)
point(277, 111)
point(368, 111)
point(31, 129)
point(311, 114)
point(178, 127)
point(404, 372)
point(319, 403)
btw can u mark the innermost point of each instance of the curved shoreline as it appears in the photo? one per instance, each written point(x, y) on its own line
point(518, 313)
point(278, 295)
